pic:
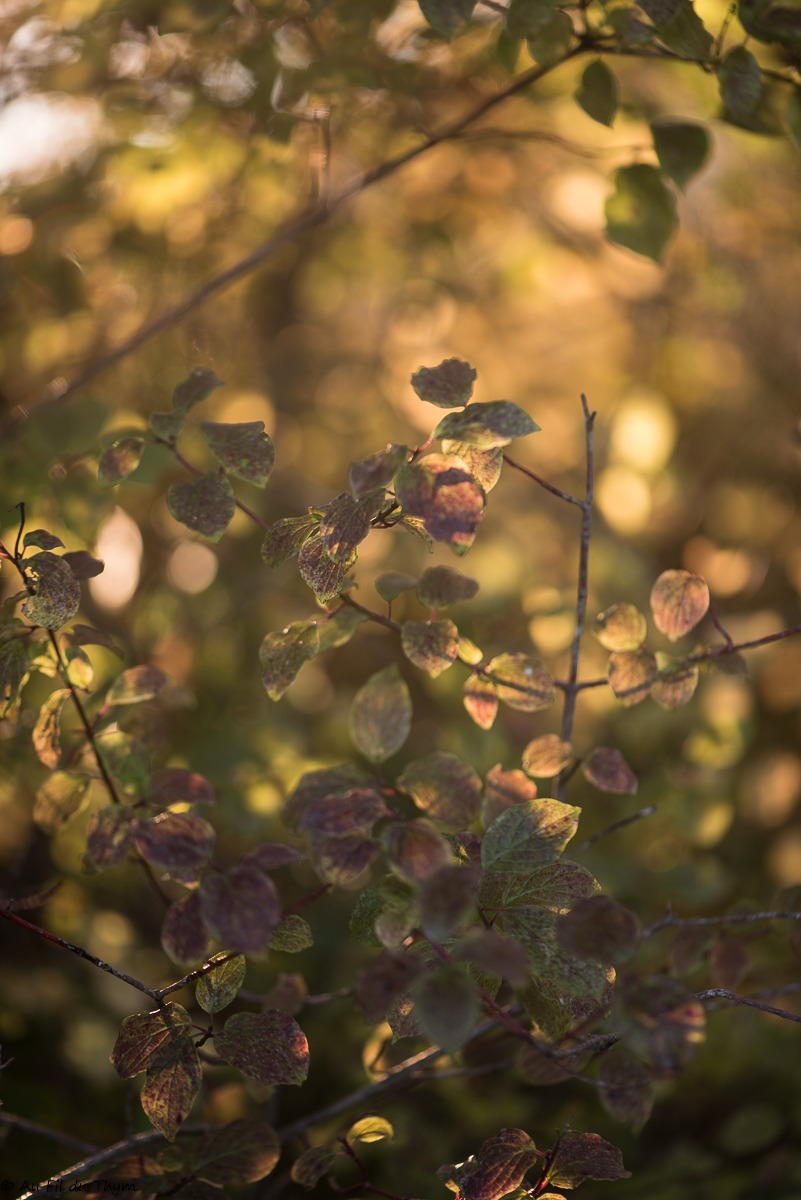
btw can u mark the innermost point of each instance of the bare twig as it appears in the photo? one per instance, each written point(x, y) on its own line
point(614, 827)
point(733, 998)
point(731, 919)
point(543, 483)
point(55, 1135)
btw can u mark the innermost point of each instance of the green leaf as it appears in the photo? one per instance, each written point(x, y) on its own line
point(447, 899)
point(13, 670)
point(241, 1152)
point(137, 684)
point(686, 33)
point(433, 646)
point(528, 835)
point(292, 935)
point(82, 564)
point(270, 1047)
point(195, 388)
point(447, 17)
point(580, 1156)
point(527, 18)
point(450, 385)
point(218, 988)
point(167, 425)
point(370, 1129)
point(285, 537)
point(58, 800)
point(641, 213)
point(551, 43)
point(392, 584)
point(521, 682)
point(682, 148)
point(42, 540)
point(440, 587)
point(446, 1005)
point(487, 426)
point(283, 654)
point(325, 577)
point(205, 505)
point(597, 93)
point(85, 635)
point(119, 460)
point(244, 450)
point(381, 715)
point(771, 22)
point(58, 593)
point(445, 787)
point(679, 601)
point(740, 81)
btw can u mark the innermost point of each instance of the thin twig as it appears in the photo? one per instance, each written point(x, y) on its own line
point(543, 483)
point(670, 920)
point(733, 998)
point(614, 827)
point(55, 1135)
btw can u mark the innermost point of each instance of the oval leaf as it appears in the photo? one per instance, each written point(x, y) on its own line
point(433, 646)
point(218, 987)
point(546, 756)
point(444, 786)
point(487, 426)
point(597, 93)
point(381, 715)
point(450, 385)
point(58, 594)
point(270, 1047)
point(447, 498)
point(244, 450)
point(641, 212)
point(522, 682)
point(631, 673)
point(621, 627)
point(679, 601)
point(205, 505)
point(120, 460)
point(607, 769)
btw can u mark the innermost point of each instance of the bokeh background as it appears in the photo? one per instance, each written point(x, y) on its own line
point(144, 148)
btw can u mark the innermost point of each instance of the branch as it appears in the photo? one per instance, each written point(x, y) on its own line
point(55, 1135)
point(317, 215)
point(732, 998)
point(732, 919)
point(614, 827)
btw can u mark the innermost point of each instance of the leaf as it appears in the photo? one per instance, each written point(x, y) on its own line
point(284, 539)
point(580, 1156)
point(447, 898)
point(740, 82)
point(597, 93)
point(177, 785)
point(172, 1084)
point(341, 860)
point(314, 785)
point(109, 836)
point(244, 450)
point(58, 800)
point(392, 584)
point(324, 576)
point(267, 856)
point(641, 212)
point(183, 935)
point(528, 835)
point(484, 465)
point(685, 33)
point(370, 1129)
point(547, 756)
point(381, 715)
point(58, 593)
point(269, 1046)
point(347, 523)
point(440, 491)
point(675, 684)
point(384, 981)
point(415, 849)
point(240, 907)
point(291, 935)
point(83, 565)
point(47, 729)
point(542, 1067)
point(313, 1164)
point(195, 388)
point(487, 426)
point(338, 627)
point(433, 646)
point(679, 601)
point(481, 700)
point(440, 587)
point(218, 988)
point(179, 844)
point(503, 789)
point(557, 886)
point(288, 993)
point(353, 811)
point(13, 670)
point(137, 684)
point(450, 385)
point(522, 682)
point(283, 654)
point(600, 929)
point(119, 460)
point(205, 505)
point(496, 955)
point(621, 627)
point(665, 1023)
point(550, 44)
point(497, 1169)
point(241, 1152)
point(607, 769)
point(397, 913)
point(41, 539)
point(527, 18)
point(631, 674)
point(682, 148)
point(125, 758)
point(85, 635)
point(376, 471)
point(445, 787)
point(167, 425)
point(627, 1093)
point(446, 1005)
point(143, 1035)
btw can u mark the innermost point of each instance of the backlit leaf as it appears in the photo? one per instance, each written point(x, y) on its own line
point(353, 811)
point(205, 505)
point(497, 1169)
point(487, 426)
point(621, 627)
point(58, 800)
point(641, 212)
point(291, 935)
point(381, 715)
point(528, 835)
point(607, 769)
point(444, 786)
point(218, 988)
point(581, 1156)
point(415, 849)
point(313, 1164)
point(240, 907)
point(679, 601)
point(285, 538)
point(439, 587)
point(522, 682)
point(675, 684)
point(446, 1005)
point(433, 646)
point(119, 460)
point(137, 684)
point(47, 729)
point(58, 593)
point(546, 756)
point(324, 576)
point(173, 1081)
point(682, 148)
point(376, 471)
point(143, 1035)
point(283, 654)
point(600, 929)
point(484, 465)
point(597, 93)
point(370, 1129)
point(450, 385)
point(481, 700)
point(502, 789)
point(179, 844)
point(557, 886)
point(109, 836)
point(631, 674)
point(439, 490)
point(244, 450)
point(195, 388)
point(347, 523)
point(269, 1046)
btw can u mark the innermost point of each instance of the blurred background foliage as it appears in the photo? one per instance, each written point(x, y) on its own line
point(143, 148)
